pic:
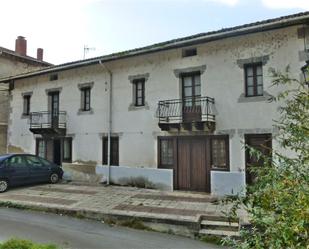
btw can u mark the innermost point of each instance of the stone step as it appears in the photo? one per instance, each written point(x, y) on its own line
point(219, 232)
point(218, 218)
point(219, 223)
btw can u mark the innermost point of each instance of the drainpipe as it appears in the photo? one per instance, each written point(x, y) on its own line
point(109, 120)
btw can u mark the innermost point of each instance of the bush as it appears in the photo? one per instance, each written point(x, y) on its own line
point(278, 202)
point(25, 244)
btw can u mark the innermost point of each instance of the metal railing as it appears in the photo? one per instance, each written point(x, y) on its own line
point(176, 110)
point(47, 120)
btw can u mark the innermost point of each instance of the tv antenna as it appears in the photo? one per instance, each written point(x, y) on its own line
point(87, 49)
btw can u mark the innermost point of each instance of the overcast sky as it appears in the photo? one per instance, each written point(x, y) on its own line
point(63, 27)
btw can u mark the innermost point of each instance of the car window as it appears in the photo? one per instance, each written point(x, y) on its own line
point(34, 161)
point(45, 162)
point(16, 161)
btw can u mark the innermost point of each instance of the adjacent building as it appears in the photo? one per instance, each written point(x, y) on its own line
point(12, 63)
point(177, 113)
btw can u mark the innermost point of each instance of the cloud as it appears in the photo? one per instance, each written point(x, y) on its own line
point(286, 4)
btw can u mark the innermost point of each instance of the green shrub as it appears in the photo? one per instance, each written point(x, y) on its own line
point(25, 244)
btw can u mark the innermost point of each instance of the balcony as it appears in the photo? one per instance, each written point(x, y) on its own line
point(194, 113)
point(48, 123)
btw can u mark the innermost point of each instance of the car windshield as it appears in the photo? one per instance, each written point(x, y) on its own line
point(3, 157)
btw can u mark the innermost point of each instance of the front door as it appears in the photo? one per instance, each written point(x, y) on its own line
point(54, 109)
point(191, 97)
point(192, 171)
point(260, 142)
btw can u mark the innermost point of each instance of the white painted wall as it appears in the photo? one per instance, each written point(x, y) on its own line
point(138, 129)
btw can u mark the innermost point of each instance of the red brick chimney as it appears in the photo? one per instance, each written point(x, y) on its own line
point(21, 45)
point(39, 54)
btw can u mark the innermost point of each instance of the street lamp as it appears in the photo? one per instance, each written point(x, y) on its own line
point(305, 70)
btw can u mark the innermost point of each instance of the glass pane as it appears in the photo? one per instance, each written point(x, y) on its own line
point(250, 91)
point(218, 153)
point(34, 161)
point(249, 81)
point(249, 71)
point(187, 81)
point(197, 90)
point(197, 80)
point(41, 149)
point(259, 80)
point(260, 90)
point(17, 161)
point(139, 101)
point(259, 70)
point(188, 92)
point(139, 86)
point(166, 152)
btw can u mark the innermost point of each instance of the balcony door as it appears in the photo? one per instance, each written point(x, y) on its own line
point(54, 108)
point(191, 97)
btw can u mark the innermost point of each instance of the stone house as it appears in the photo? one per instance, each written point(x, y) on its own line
point(176, 114)
point(12, 63)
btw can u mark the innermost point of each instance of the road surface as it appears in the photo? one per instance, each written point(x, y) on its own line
point(70, 232)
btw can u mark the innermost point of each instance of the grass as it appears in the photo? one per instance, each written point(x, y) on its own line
point(25, 244)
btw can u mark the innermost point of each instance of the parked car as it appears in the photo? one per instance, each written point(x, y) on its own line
point(20, 169)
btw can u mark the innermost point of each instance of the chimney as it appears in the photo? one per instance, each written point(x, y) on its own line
point(39, 54)
point(21, 45)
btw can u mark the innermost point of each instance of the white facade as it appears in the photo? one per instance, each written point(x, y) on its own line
point(137, 127)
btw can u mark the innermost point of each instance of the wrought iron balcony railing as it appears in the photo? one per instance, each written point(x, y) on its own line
point(48, 120)
point(193, 109)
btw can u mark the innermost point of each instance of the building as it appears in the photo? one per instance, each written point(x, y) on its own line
point(12, 63)
point(176, 113)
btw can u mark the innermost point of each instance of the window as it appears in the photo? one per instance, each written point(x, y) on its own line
point(85, 102)
point(114, 151)
point(34, 161)
point(41, 148)
point(254, 80)
point(53, 77)
point(166, 151)
point(191, 89)
point(220, 153)
point(67, 149)
point(26, 110)
point(139, 92)
point(16, 162)
point(189, 52)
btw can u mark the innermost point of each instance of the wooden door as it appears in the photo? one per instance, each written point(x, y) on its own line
point(192, 171)
point(184, 163)
point(261, 142)
point(191, 97)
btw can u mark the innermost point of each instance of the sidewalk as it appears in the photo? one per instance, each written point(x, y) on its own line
point(106, 203)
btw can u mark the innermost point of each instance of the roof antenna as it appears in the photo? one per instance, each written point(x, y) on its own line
point(87, 49)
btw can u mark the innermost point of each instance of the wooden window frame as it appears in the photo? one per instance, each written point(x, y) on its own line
point(84, 92)
point(114, 161)
point(136, 83)
point(192, 75)
point(172, 139)
point(254, 67)
point(26, 105)
point(227, 152)
point(69, 159)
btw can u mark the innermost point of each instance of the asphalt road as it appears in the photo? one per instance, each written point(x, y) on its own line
point(70, 232)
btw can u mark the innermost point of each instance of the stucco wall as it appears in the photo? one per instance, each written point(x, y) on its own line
point(138, 129)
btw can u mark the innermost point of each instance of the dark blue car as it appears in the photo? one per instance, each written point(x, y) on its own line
point(20, 169)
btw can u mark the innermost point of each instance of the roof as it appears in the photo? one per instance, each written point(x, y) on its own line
point(24, 58)
point(260, 26)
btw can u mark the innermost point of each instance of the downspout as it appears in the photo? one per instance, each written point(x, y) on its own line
point(109, 102)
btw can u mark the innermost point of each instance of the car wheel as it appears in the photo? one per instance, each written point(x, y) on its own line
point(54, 178)
point(4, 185)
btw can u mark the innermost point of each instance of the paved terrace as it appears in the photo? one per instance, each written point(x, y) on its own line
point(174, 208)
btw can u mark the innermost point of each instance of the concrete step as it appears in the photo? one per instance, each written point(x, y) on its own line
point(219, 232)
point(217, 218)
point(219, 223)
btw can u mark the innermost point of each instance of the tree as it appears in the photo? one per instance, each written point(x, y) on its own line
point(278, 202)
